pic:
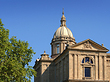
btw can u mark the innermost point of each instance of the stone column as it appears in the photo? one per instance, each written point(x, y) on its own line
point(105, 68)
point(75, 66)
point(100, 68)
point(96, 68)
point(70, 66)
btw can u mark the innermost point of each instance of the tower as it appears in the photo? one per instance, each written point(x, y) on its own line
point(61, 38)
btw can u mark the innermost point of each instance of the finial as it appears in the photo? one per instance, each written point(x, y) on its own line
point(102, 45)
point(63, 19)
point(63, 11)
point(44, 52)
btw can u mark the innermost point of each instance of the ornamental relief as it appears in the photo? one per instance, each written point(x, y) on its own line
point(87, 45)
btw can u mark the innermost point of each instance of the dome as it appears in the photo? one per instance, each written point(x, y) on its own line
point(63, 32)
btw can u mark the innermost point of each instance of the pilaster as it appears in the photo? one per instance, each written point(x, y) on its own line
point(100, 68)
point(70, 66)
point(79, 67)
point(96, 68)
point(75, 66)
point(105, 68)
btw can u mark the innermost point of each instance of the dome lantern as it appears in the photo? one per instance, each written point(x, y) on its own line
point(63, 19)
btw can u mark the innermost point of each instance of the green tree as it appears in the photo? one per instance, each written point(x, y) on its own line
point(15, 56)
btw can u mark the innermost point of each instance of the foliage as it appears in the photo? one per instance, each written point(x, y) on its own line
point(14, 58)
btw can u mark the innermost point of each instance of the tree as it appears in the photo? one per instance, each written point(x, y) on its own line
point(15, 56)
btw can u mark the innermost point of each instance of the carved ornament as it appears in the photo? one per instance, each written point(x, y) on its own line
point(87, 45)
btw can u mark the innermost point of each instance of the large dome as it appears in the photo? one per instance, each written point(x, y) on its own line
point(63, 31)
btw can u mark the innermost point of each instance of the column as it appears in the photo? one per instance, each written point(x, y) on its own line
point(100, 68)
point(70, 66)
point(75, 66)
point(96, 68)
point(105, 69)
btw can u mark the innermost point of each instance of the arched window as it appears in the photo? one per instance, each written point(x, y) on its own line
point(57, 48)
point(87, 59)
point(65, 46)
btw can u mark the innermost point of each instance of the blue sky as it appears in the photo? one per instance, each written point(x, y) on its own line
point(36, 21)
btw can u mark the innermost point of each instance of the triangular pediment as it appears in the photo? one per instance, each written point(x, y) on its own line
point(89, 45)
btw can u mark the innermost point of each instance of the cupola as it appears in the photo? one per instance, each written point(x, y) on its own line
point(62, 36)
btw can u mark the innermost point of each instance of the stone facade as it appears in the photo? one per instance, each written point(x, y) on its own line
point(86, 61)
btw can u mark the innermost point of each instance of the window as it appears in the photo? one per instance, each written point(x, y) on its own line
point(87, 65)
point(91, 61)
point(87, 72)
point(57, 48)
point(65, 46)
point(83, 60)
point(87, 59)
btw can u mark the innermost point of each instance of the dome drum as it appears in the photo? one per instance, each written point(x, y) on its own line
point(63, 39)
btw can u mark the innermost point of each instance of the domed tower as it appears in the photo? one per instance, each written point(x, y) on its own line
point(61, 38)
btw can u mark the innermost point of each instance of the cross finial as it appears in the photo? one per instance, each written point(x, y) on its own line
point(44, 52)
point(63, 11)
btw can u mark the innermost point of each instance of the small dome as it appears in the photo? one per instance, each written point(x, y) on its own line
point(63, 32)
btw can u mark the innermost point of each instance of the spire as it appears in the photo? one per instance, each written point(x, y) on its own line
point(63, 19)
point(63, 11)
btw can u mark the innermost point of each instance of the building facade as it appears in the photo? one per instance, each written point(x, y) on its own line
point(86, 61)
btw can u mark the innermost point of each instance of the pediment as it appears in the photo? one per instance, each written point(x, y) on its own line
point(89, 45)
